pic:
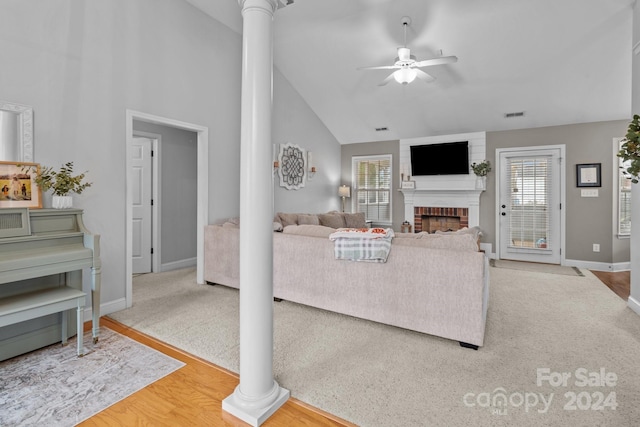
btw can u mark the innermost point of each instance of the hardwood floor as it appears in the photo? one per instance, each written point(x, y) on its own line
point(619, 282)
point(192, 396)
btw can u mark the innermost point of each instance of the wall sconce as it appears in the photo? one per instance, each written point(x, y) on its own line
point(311, 171)
point(344, 191)
point(276, 165)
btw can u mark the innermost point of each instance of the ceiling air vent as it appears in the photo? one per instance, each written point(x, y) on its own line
point(382, 129)
point(516, 114)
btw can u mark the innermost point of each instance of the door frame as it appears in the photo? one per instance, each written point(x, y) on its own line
point(563, 202)
point(202, 191)
point(156, 220)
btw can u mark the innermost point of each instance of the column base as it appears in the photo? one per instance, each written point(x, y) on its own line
point(251, 412)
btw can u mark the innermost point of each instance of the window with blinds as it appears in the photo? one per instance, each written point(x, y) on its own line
point(529, 225)
point(624, 197)
point(372, 187)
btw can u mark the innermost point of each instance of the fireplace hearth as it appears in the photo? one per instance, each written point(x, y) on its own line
point(432, 219)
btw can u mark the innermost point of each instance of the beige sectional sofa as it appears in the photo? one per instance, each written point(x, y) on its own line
point(435, 284)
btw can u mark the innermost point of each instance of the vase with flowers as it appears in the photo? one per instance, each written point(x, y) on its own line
point(62, 183)
point(481, 170)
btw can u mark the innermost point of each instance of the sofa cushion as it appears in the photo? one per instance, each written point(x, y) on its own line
point(355, 220)
point(308, 219)
point(333, 220)
point(459, 242)
point(309, 230)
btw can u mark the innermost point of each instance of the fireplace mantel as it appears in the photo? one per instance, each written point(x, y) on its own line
point(444, 198)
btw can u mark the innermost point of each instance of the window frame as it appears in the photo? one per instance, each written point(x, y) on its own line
point(355, 160)
point(621, 191)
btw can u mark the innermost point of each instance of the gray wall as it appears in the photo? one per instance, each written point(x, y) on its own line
point(375, 148)
point(177, 193)
point(589, 220)
point(82, 64)
point(295, 123)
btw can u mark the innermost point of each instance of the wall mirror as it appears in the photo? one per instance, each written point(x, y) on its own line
point(16, 132)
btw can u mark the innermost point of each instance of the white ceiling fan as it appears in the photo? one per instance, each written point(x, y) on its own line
point(406, 66)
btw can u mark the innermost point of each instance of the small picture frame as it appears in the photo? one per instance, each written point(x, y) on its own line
point(18, 188)
point(588, 175)
point(408, 184)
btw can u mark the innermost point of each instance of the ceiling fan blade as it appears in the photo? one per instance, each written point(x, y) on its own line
point(423, 76)
point(387, 80)
point(382, 67)
point(437, 61)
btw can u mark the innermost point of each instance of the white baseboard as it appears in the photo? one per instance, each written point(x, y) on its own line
point(598, 266)
point(177, 265)
point(634, 304)
point(106, 308)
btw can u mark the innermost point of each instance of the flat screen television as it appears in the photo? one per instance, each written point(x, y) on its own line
point(450, 158)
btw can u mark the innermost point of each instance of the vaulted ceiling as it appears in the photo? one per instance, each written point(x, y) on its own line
point(558, 61)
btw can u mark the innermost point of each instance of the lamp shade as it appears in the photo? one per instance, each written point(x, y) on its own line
point(344, 191)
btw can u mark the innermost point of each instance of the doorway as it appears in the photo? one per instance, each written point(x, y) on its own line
point(530, 220)
point(202, 191)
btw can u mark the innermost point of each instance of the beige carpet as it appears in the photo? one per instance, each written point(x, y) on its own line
point(53, 387)
point(536, 267)
point(376, 375)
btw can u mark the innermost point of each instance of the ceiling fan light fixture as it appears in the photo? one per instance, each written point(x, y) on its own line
point(405, 75)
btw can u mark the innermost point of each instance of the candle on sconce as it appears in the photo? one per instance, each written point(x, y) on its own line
point(276, 164)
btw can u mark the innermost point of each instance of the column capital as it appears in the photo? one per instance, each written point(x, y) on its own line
point(267, 5)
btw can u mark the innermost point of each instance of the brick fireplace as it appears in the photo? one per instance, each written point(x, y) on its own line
point(442, 209)
point(432, 219)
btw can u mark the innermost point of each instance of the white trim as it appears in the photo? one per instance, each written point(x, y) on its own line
point(156, 220)
point(177, 265)
point(202, 191)
point(106, 308)
point(616, 189)
point(598, 266)
point(354, 181)
point(633, 304)
point(563, 187)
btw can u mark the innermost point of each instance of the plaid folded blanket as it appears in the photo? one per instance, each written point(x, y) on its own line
point(362, 244)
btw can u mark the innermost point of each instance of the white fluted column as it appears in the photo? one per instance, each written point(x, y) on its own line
point(258, 395)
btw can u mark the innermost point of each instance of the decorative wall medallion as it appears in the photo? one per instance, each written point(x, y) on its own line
point(292, 169)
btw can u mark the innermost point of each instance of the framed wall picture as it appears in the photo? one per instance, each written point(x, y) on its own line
point(588, 175)
point(18, 188)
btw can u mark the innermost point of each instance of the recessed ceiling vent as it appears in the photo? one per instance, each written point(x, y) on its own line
point(383, 129)
point(516, 114)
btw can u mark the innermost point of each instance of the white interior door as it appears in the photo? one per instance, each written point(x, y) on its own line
point(141, 174)
point(529, 211)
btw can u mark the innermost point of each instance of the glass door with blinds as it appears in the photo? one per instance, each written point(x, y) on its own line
point(372, 188)
point(529, 205)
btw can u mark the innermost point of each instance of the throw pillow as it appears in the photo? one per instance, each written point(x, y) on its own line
point(332, 220)
point(288, 218)
point(355, 220)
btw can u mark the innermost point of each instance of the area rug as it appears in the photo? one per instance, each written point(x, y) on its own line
point(536, 267)
point(559, 351)
point(54, 387)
